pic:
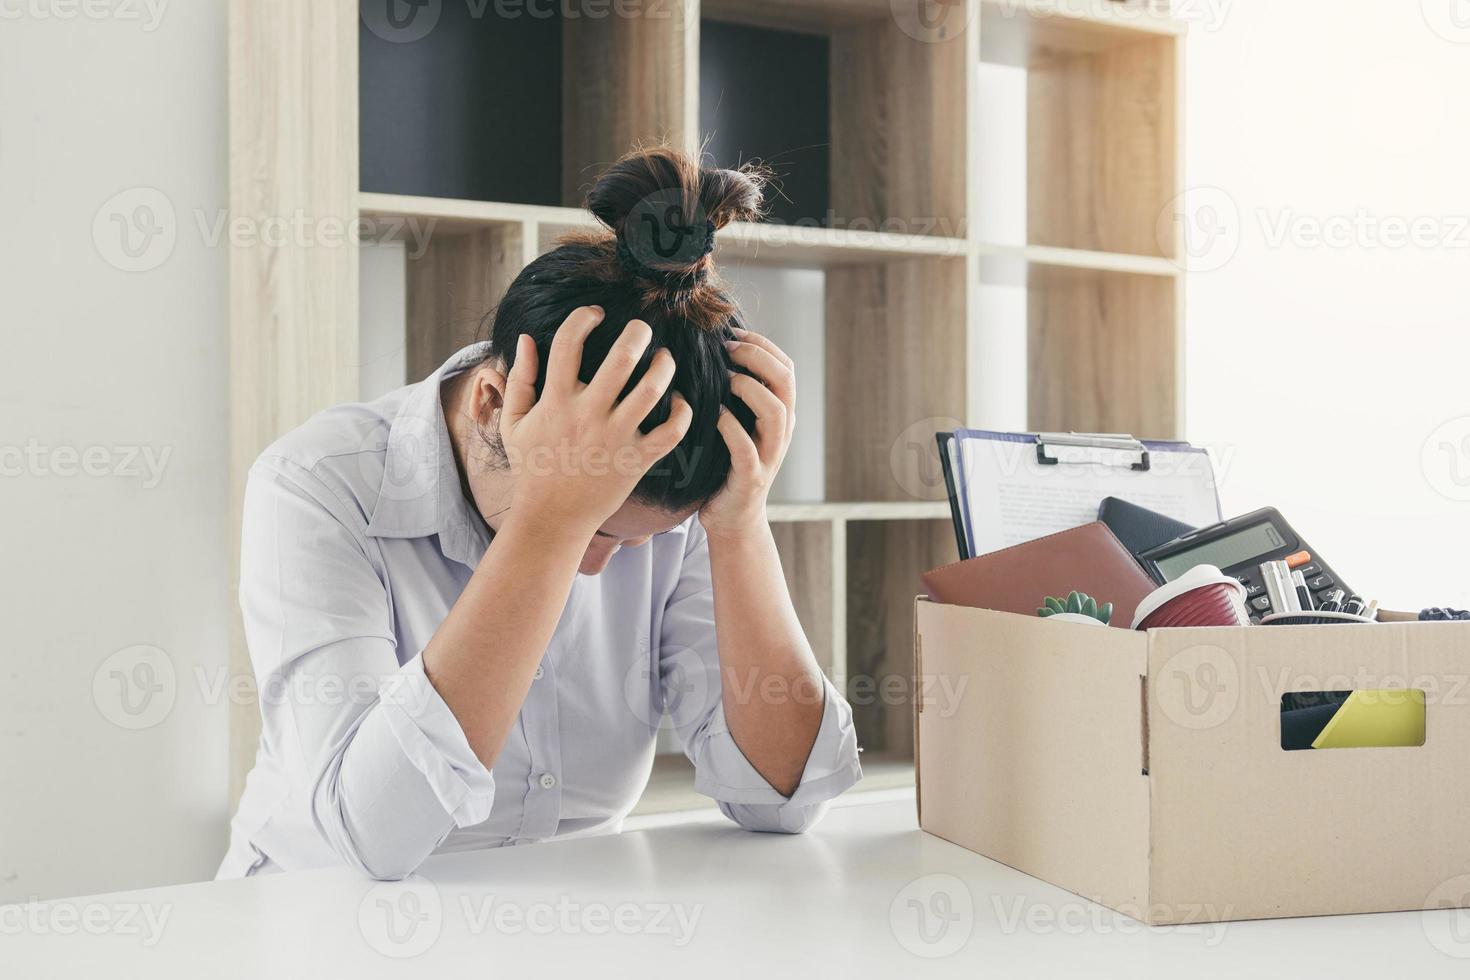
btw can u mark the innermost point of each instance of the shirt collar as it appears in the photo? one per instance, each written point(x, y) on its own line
point(420, 493)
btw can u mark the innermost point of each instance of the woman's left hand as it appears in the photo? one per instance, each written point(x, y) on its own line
point(754, 462)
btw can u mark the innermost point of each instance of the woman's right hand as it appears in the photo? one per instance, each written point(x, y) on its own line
point(577, 453)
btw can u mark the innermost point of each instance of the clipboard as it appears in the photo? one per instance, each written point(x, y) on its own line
point(947, 463)
point(1010, 487)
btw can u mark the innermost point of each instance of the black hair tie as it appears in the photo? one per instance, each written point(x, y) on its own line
point(695, 272)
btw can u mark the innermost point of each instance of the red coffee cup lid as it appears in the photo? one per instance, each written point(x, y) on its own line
point(1199, 575)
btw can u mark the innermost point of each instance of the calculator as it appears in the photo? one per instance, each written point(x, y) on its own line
point(1238, 547)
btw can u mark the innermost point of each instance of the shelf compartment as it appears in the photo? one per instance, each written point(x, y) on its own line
point(1023, 32)
point(451, 284)
point(491, 103)
point(433, 117)
point(812, 559)
point(888, 115)
point(1086, 154)
point(1104, 353)
point(1101, 142)
point(896, 364)
point(629, 82)
point(885, 560)
point(765, 95)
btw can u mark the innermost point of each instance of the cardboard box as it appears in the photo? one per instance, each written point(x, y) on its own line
point(1145, 771)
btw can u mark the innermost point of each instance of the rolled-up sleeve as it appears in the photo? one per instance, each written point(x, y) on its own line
point(387, 769)
point(689, 670)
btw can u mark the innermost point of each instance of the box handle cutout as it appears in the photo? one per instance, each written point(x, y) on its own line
point(1390, 718)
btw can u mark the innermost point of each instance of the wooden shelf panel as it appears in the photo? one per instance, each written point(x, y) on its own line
point(1022, 32)
point(812, 559)
point(918, 510)
point(1105, 354)
point(1102, 149)
point(460, 214)
point(885, 563)
point(812, 247)
point(790, 246)
point(1020, 265)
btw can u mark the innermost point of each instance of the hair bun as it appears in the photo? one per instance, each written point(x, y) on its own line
point(664, 209)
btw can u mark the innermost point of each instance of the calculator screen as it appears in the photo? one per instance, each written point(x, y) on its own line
point(1223, 552)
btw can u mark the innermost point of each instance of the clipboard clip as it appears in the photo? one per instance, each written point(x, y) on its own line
point(1135, 453)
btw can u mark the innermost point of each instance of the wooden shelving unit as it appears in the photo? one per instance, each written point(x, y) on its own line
point(486, 131)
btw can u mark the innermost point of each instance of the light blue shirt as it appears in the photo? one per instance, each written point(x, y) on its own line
point(357, 540)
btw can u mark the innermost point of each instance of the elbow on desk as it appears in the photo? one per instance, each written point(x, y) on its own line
point(380, 861)
point(382, 855)
point(386, 871)
point(382, 851)
point(379, 864)
point(775, 819)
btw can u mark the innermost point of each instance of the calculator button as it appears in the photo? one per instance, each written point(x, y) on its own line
point(1252, 591)
point(1321, 582)
point(1263, 603)
point(1298, 560)
point(1311, 570)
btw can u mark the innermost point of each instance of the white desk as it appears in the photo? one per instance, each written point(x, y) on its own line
point(834, 902)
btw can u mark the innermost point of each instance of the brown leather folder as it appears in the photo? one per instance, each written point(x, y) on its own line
point(1018, 579)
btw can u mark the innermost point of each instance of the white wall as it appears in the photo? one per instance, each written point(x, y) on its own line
point(102, 555)
point(1333, 377)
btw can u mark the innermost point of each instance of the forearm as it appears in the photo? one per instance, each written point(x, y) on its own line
point(772, 689)
point(483, 657)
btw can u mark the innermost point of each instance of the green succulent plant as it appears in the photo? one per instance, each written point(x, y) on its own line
point(1080, 603)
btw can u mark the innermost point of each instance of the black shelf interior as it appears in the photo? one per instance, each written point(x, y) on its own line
point(470, 109)
point(765, 95)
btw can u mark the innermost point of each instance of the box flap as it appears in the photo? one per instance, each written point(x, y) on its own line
point(1028, 747)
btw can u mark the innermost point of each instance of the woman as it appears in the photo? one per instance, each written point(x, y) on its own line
point(434, 672)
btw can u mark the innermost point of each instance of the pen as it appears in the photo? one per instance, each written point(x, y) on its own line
point(1333, 602)
point(1288, 587)
point(1371, 613)
point(1277, 586)
point(1303, 594)
point(1354, 606)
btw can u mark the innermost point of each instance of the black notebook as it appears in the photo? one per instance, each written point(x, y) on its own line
point(1139, 528)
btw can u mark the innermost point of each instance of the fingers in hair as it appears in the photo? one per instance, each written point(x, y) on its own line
point(565, 362)
point(615, 370)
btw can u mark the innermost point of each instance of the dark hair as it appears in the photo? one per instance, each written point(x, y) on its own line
point(653, 263)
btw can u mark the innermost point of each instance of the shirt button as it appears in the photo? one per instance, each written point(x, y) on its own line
point(540, 672)
point(548, 781)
